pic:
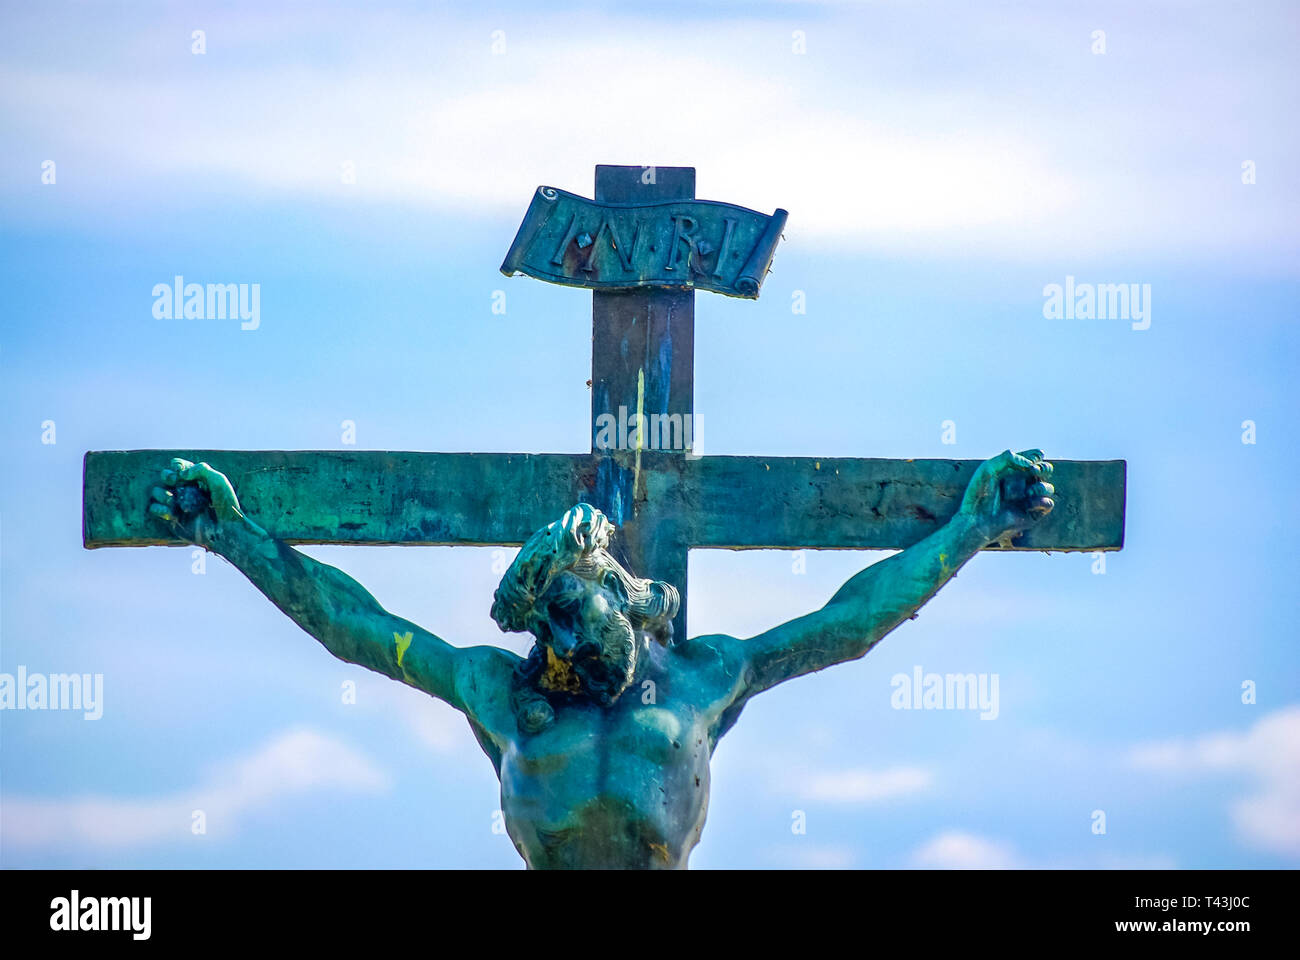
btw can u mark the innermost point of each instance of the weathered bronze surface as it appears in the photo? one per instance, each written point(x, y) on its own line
point(736, 503)
point(602, 736)
point(689, 244)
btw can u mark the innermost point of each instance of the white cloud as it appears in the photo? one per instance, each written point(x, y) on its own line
point(864, 786)
point(960, 850)
point(1267, 817)
point(812, 856)
point(963, 850)
point(487, 137)
point(1068, 153)
point(293, 763)
point(1139, 861)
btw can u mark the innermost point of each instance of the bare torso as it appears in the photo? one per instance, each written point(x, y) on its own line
point(625, 786)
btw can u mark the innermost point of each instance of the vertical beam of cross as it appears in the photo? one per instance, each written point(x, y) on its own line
point(643, 361)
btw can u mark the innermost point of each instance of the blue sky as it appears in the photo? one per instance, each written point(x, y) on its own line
point(941, 166)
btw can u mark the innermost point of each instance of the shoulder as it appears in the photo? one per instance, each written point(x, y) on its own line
point(714, 653)
point(724, 676)
point(483, 675)
point(484, 664)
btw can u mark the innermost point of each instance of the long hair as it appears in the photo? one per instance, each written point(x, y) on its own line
point(578, 543)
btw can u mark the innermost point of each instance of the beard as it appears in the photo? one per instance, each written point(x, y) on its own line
point(605, 664)
point(603, 667)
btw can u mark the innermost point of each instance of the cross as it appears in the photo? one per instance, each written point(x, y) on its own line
point(643, 245)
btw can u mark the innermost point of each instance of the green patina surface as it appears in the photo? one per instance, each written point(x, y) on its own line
point(602, 736)
point(694, 244)
point(743, 503)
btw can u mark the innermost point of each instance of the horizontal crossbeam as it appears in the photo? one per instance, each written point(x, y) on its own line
point(749, 503)
point(739, 503)
point(361, 497)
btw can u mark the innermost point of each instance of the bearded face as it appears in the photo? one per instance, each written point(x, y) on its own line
point(589, 643)
point(591, 618)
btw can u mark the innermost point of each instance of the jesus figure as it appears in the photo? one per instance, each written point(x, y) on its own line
point(601, 737)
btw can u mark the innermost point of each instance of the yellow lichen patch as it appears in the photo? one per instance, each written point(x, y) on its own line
point(559, 675)
point(403, 641)
point(661, 849)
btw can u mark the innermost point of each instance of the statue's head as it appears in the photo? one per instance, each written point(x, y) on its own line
point(591, 618)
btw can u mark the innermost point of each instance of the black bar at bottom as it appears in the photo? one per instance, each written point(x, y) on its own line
point(925, 909)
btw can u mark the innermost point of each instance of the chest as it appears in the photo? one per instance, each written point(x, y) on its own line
point(586, 740)
point(627, 788)
point(621, 785)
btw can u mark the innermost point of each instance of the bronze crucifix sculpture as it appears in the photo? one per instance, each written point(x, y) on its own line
point(602, 736)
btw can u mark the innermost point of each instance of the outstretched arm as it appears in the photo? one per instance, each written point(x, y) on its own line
point(1006, 495)
point(200, 504)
